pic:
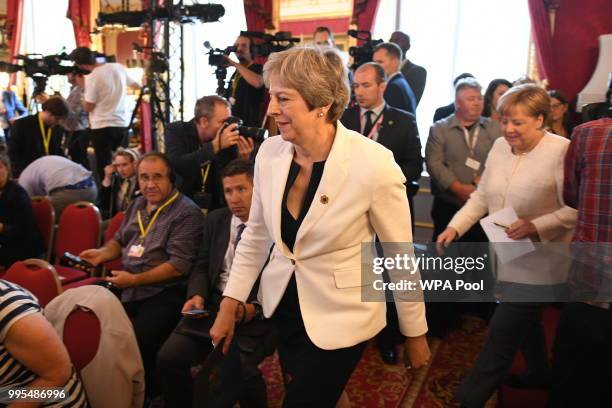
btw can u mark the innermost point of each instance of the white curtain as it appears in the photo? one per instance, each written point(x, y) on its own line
point(199, 76)
point(487, 38)
point(46, 30)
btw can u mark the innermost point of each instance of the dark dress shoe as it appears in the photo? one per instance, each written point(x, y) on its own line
point(526, 382)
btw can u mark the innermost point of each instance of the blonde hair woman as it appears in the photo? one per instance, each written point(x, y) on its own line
point(320, 192)
point(524, 170)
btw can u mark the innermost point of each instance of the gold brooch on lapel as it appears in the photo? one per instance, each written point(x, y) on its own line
point(390, 123)
point(324, 199)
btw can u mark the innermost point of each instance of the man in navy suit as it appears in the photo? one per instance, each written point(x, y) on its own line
point(393, 128)
point(398, 92)
point(397, 131)
point(223, 229)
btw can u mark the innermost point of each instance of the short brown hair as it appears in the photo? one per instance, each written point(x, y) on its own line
point(56, 106)
point(392, 49)
point(83, 56)
point(236, 167)
point(531, 97)
point(319, 75)
point(378, 70)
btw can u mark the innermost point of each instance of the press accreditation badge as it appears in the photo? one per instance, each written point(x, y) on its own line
point(136, 251)
point(472, 164)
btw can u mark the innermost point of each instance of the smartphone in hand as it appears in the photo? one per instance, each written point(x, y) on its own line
point(196, 313)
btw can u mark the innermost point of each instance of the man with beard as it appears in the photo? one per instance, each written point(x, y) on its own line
point(246, 89)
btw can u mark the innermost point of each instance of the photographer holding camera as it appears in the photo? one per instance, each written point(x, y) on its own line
point(246, 89)
point(199, 149)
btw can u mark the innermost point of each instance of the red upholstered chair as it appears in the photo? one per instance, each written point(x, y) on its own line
point(44, 215)
point(113, 227)
point(82, 333)
point(37, 276)
point(78, 229)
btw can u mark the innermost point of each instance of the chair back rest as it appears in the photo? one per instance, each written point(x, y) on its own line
point(113, 226)
point(78, 229)
point(44, 216)
point(38, 277)
point(82, 333)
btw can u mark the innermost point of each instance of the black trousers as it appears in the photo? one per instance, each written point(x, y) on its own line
point(582, 358)
point(181, 352)
point(513, 326)
point(444, 316)
point(442, 212)
point(313, 377)
point(77, 147)
point(154, 318)
point(105, 141)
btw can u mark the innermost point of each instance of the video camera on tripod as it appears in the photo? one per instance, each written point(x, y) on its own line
point(40, 68)
point(362, 53)
point(280, 41)
point(216, 58)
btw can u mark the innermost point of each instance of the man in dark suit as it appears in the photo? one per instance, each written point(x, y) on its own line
point(391, 127)
point(222, 231)
point(397, 131)
point(398, 92)
point(199, 149)
point(120, 184)
point(38, 135)
point(415, 74)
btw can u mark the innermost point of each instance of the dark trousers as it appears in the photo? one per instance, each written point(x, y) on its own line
point(513, 326)
point(444, 316)
point(181, 352)
point(442, 212)
point(77, 147)
point(582, 358)
point(105, 141)
point(154, 318)
point(313, 377)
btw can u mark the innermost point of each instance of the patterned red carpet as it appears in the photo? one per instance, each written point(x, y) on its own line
point(376, 385)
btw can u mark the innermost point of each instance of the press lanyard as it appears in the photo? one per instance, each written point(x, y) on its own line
point(46, 139)
point(204, 173)
point(474, 139)
point(236, 80)
point(143, 231)
point(378, 118)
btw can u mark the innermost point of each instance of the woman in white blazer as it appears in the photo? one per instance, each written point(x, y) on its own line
point(524, 170)
point(320, 191)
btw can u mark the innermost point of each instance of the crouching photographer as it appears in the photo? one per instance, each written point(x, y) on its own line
point(200, 148)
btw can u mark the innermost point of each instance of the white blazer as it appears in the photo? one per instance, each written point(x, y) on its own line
point(361, 194)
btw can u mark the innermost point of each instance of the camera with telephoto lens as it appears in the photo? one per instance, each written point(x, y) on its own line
point(257, 134)
point(362, 53)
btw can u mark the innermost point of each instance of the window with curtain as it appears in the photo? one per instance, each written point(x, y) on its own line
point(488, 38)
point(46, 30)
point(200, 77)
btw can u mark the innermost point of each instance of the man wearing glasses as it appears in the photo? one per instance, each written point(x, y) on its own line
point(157, 243)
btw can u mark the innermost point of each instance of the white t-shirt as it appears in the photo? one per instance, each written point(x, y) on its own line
point(105, 87)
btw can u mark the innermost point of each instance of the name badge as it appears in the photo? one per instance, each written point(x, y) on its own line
point(472, 164)
point(136, 251)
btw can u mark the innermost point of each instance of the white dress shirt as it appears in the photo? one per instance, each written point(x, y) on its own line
point(377, 113)
point(229, 253)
